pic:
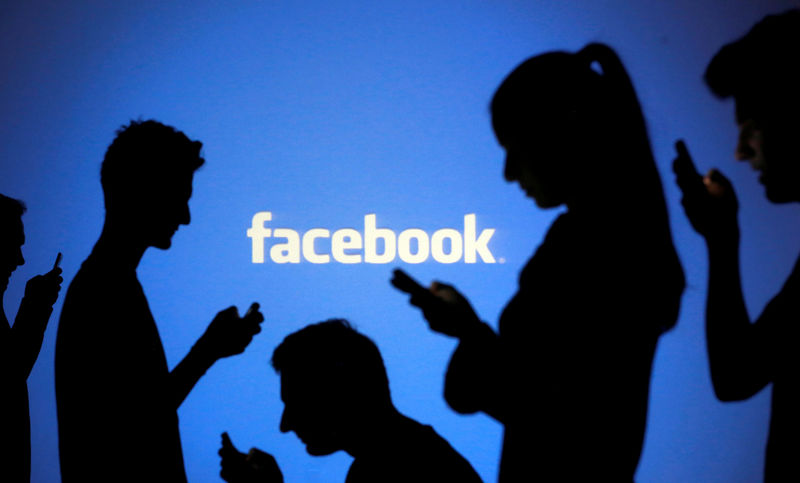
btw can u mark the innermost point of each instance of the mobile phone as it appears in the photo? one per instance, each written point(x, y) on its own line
point(402, 281)
point(253, 307)
point(226, 440)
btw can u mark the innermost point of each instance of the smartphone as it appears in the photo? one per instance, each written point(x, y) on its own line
point(226, 441)
point(402, 281)
point(253, 307)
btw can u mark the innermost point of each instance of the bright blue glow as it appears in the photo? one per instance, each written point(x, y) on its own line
point(326, 111)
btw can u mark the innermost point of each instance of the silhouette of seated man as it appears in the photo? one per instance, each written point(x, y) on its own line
point(20, 344)
point(117, 401)
point(336, 397)
point(759, 72)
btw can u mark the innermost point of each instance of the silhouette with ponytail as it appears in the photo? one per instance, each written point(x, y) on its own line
point(568, 373)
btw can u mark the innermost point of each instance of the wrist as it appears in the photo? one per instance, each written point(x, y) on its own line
point(722, 232)
point(30, 308)
point(203, 349)
point(719, 242)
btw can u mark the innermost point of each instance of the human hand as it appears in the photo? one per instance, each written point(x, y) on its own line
point(228, 334)
point(41, 291)
point(253, 467)
point(709, 201)
point(446, 310)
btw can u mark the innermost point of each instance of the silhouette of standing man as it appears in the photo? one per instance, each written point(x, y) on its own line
point(117, 400)
point(336, 397)
point(760, 72)
point(20, 344)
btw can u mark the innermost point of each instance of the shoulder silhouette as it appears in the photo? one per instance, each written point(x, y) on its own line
point(336, 397)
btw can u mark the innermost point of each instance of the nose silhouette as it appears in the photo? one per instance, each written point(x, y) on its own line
point(744, 148)
point(511, 170)
point(285, 422)
point(186, 216)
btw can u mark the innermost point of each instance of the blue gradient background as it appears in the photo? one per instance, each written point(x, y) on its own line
point(324, 112)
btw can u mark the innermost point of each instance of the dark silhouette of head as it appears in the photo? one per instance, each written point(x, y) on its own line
point(571, 126)
point(333, 383)
point(573, 131)
point(147, 180)
point(13, 238)
point(760, 72)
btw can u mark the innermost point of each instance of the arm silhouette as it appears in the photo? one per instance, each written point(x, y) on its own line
point(227, 335)
point(41, 292)
point(472, 383)
point(738, 350)
point(254, 467)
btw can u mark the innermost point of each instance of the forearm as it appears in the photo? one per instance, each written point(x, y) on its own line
point(27, 335)
point(473, 379)
point(186, 374)
point(732, 340)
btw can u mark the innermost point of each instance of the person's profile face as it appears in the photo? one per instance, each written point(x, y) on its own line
point(311, 415)
point(535, 170)
point(11, 251)
point(773, 151)
point(168, 209)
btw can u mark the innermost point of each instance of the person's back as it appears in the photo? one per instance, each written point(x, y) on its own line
point(410, 452)
point(117, 417)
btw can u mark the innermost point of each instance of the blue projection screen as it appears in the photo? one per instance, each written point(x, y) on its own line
point(329, 115)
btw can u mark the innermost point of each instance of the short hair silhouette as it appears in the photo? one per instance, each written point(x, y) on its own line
point(336, 397)
point(10, 209)
point(334, 353)
point(115, 391)
point(147, 153)
point(763, 63)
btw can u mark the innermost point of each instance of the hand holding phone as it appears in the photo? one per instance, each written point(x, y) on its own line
point(709, 201)
point(445, 309)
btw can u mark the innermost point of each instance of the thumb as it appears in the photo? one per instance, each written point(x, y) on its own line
point(226, 442)
point(717, 184)
point(232, 310)
point(444, 291)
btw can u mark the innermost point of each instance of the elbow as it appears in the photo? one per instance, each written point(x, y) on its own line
point(459, 401)
point(727, 394)
point(729, 389)
point(462, 408)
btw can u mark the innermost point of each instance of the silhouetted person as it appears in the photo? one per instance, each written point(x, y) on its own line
point(336, 397)
point(117, 401)
point(20, 344)
point(760, 72)
point(568, 373)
